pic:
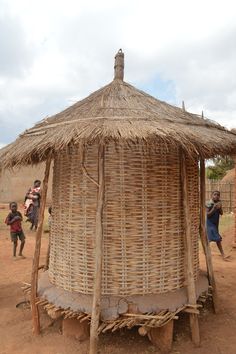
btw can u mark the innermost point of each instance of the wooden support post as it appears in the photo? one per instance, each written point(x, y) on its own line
point(34, 276)
point(46, 266)
point(203, 234)
point(96, 309)
point(162, 337)
point(194, 326)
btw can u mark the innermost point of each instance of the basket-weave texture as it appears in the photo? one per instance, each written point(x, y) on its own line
point(143, 249)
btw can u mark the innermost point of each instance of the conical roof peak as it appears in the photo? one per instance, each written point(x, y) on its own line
point(119, 66)
point(119, 111)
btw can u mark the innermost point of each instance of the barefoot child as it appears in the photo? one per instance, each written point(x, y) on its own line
point(14, 220)
point(214, 210)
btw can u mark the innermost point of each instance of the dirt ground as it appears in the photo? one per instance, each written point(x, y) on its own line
point(218, 331)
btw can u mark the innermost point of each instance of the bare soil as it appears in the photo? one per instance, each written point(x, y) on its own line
point(218, 331)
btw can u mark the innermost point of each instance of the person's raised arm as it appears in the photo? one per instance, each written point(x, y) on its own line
point(10, 221)
point(211, 211)
point(19, 216)
point(221, 208)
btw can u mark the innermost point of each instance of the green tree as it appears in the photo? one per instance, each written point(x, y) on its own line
point(221, 164)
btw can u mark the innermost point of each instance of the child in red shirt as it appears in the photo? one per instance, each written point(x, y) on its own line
point(14, 220)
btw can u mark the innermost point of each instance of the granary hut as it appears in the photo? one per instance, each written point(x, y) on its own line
point(127, 204)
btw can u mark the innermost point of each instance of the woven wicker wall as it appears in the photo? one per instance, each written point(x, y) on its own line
point(143, 221)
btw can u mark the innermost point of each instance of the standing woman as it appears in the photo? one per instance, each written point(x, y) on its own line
point(214, 211)
point(32, 204)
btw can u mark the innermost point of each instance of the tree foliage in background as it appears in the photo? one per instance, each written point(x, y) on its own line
point(220, 167)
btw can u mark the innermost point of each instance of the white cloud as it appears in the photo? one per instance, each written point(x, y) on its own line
point(56, 52)
point(16, 54)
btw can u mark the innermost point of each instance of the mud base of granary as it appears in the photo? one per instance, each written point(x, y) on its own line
point(112, 307)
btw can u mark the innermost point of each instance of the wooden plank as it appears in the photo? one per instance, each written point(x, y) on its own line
point(98, 254)
point(203, 235)
point(194, 326)
point(34, 275)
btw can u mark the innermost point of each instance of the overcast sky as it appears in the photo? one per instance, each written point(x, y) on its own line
point(53, 53)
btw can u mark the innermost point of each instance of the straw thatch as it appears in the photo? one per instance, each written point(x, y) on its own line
point(229, 177)
point(119, 111)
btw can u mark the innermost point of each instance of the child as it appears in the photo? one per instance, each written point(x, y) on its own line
point(32, 204)
point(214, 210)
point(14, 220)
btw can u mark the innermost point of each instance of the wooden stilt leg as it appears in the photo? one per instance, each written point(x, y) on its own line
point(203, 234)
point(98, 256)
point(34, 276)
point(162, 337)
point(194, 326)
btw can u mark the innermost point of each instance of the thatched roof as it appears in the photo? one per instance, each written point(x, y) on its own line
point(120, 112)
point(229, 177)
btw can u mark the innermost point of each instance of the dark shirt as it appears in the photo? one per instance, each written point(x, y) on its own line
point(36, 200)
point(215, 217)
point(16, 225)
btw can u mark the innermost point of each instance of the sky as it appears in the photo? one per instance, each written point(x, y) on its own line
point(54, 53)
